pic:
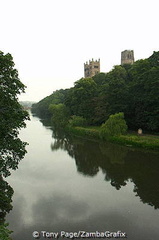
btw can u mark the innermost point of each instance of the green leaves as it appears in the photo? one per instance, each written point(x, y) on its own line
point(80, 98)
point(42, 107)
point(60, 115)
point(131, 89)
point(12, 116)
point(5, 232)
point(12, 119)
point(77, 121)
point(144, 94)
point(114, 126)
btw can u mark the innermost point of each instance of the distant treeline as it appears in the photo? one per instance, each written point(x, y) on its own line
point(131, 89)
point(26, 104)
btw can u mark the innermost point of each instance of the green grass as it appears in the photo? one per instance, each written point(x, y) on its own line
point(131, 139)
point(138, 141)
point(93, 127)
point(88, 132)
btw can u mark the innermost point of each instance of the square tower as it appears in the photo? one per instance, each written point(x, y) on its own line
point(127, 57)
point(92, 68)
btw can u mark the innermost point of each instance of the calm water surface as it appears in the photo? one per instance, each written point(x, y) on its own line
point(71, 184)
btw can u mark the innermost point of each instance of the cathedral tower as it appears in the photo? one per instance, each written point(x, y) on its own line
point(92, 68)
point(127, 57)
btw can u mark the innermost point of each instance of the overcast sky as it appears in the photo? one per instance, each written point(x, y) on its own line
point(51, 39)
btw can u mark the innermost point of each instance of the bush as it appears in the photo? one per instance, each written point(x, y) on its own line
point(77, 121)
point(114, 126)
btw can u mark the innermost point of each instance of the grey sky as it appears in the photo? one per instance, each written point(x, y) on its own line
point(51, 39)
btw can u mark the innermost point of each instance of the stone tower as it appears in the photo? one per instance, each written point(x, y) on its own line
point(127, 57)
point(92, 68)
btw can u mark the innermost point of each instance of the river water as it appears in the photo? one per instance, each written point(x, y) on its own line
point(70, 184)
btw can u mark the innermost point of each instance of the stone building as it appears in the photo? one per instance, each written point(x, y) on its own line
point(127, 57)
point(92, 68)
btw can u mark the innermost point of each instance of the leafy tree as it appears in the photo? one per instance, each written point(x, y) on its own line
point(79, 99)
point(60, 114)
point(114, 126)
point(100, 102)
point(6, 193)
point(117, 92)
point(42, 107)
point(100, 79)
point(5, 232)
point(12, 116)
point(77, 121)
point(101, 109)
point(143, 108)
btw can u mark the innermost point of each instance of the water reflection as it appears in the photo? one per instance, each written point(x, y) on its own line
point(73, 186)
point(118, 163)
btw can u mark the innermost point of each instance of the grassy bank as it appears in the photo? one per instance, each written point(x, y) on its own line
point(131, 139)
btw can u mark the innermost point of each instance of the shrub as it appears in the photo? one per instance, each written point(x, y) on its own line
point(77, 121)
point(114, 126)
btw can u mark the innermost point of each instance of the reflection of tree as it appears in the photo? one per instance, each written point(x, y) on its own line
point(61, 141)
point(114, 167)
point(116, 175)
point(145, 169)
point(46, 122)
point(119, 164)
point(85, 156)
point(115, 153)
point(85, 159)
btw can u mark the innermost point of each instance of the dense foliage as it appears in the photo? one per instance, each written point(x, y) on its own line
point(42, 107)
point(79, 99)
point(131, 89)
point(5, 232)
point(114, 126)
point(12, 119)
point(77, 121)
point(12, 116)
point(60, 114)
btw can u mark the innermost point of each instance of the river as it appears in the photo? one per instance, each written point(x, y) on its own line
point(68, 184)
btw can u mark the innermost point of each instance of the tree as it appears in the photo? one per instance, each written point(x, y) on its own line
point(5, 232)
point(79, 98)
point(77, 121)
point(6, 193)
point(114, 126)
point(143, 108)
point(42, 107)
point(60, 115)
point(117, 92)
point(12, 116)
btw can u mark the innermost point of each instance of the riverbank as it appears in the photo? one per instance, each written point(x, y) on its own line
point(130, 139)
